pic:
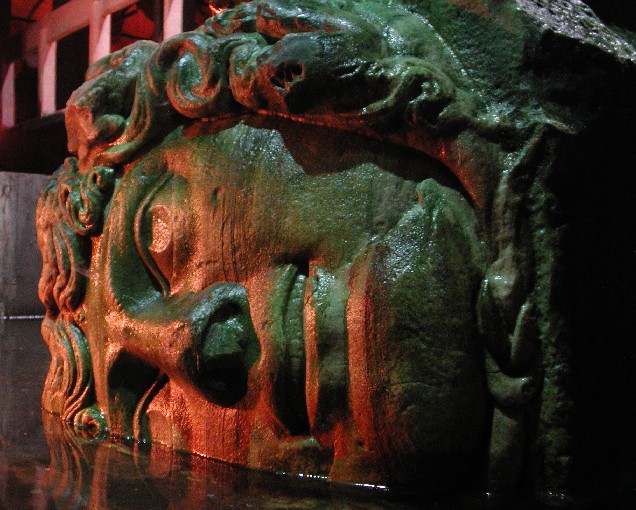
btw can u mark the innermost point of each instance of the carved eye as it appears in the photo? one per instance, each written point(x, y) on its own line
point(160, 229)
point(161, 245)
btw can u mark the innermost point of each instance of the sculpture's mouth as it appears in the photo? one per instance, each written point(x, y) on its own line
point(288, 312)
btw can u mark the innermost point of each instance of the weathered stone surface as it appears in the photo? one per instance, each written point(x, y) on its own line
point(19, 259)
point(361, 239)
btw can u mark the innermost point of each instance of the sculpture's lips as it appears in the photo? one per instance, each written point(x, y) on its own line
point(288, 310)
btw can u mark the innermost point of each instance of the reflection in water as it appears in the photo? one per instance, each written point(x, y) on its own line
point(96, 475)
point(44, 465)
point(68, 477)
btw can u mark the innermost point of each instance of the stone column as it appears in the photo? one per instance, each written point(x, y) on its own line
point(19, 258)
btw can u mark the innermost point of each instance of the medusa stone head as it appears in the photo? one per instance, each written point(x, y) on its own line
point(267, 250)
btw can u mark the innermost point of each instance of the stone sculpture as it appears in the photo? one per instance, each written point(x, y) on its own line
point(322, 237)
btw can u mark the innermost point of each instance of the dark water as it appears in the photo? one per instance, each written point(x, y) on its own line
point(43, 465)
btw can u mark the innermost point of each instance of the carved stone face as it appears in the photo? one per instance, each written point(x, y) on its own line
point(292, 298)
point(265, 292)
point(223, 278)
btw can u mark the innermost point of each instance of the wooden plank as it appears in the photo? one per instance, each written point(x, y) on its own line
point(99, 33)
point(172, 18)
point(47, 52)
point(69, 18)
point(8, 97)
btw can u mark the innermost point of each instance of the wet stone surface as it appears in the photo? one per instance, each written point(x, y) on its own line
point(383, 241)
point(43, 464)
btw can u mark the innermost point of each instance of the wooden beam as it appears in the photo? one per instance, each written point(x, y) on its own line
point(8, 97)
point(172, 18)
point(69, 18)
point(99, 32)
point(47, 54)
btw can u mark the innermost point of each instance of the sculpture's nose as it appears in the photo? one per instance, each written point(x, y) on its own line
point(224, 344)
point(204, 339)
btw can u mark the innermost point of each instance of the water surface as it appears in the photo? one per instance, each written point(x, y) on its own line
point(44, 465)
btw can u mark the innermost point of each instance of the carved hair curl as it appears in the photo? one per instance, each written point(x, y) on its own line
point(69, 210)
point(333, 63)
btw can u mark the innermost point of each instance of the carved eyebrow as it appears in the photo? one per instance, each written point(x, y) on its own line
point(142, 249)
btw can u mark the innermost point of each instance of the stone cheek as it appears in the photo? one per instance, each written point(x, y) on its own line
point(313, 323)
